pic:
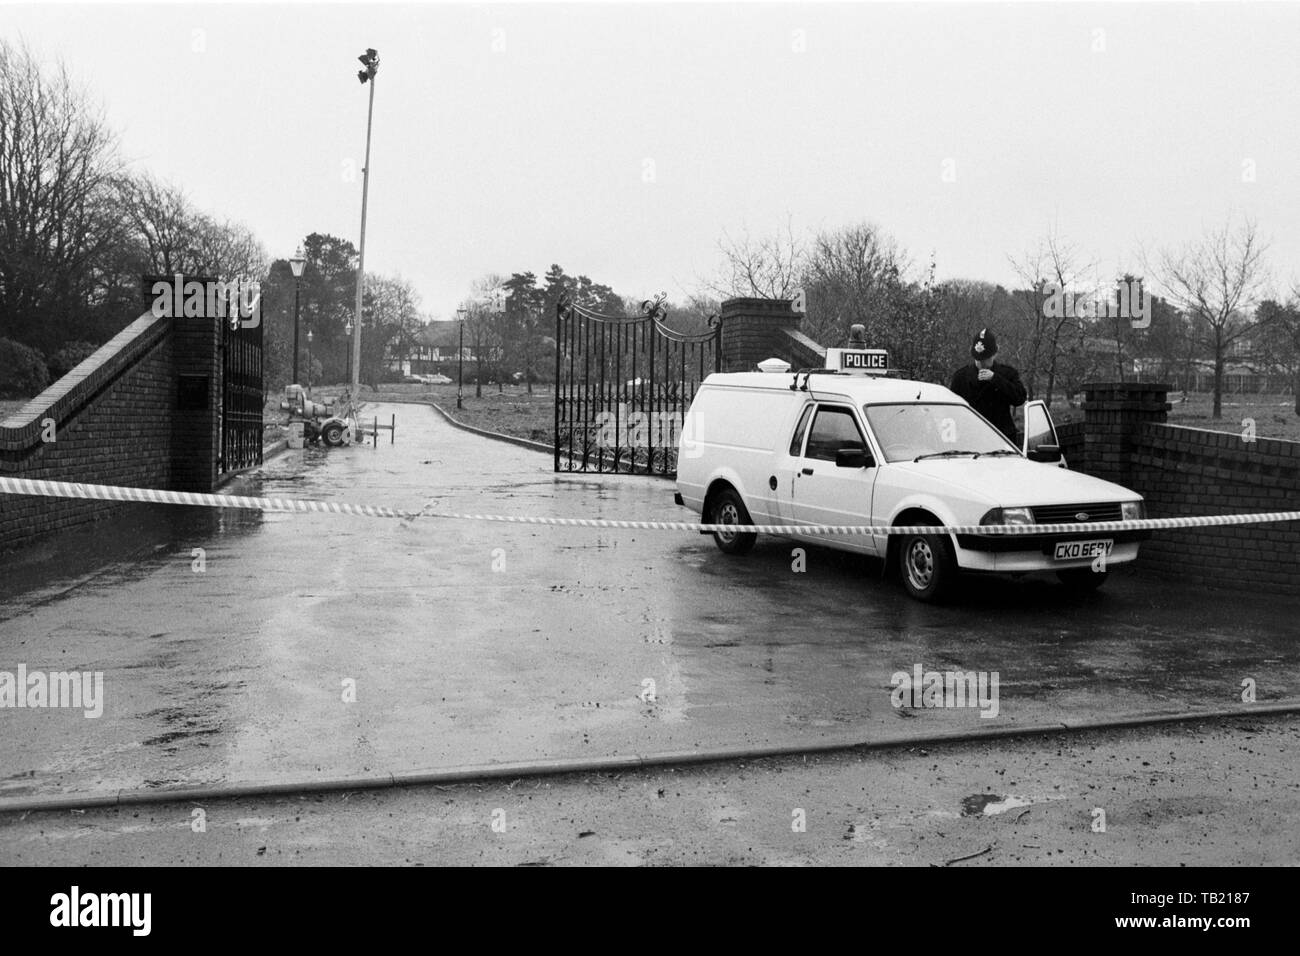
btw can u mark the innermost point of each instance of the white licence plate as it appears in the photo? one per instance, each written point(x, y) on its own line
point(1076, 550)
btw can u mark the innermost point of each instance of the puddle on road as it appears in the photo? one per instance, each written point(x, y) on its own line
point(121, 548)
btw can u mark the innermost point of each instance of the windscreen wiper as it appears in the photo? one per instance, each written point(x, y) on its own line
point(1002, 451)
point(945, 454)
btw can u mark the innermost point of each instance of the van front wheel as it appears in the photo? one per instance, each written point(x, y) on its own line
point(927, 566)
point(729, 509)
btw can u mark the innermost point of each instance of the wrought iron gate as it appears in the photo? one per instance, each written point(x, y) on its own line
point(622, 387)
point(241, 396)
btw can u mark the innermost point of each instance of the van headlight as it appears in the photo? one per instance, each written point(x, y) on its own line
point(1132, 511)
point(1010, 516)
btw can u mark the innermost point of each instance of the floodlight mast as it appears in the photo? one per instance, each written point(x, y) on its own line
point(370, 60)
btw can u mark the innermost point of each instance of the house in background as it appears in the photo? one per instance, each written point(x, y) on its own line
point(430, 351)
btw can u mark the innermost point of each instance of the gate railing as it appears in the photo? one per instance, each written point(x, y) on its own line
point(623, 385)
point(241, 397)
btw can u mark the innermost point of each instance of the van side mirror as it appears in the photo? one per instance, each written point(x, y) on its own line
point(853, 458)
point(1047, 453)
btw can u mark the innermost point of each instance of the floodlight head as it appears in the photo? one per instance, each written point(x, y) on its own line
point(370, 60)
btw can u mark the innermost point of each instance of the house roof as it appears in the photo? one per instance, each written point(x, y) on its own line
point(445, 335)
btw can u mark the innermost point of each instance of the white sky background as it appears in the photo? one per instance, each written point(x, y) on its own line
point(505, 161)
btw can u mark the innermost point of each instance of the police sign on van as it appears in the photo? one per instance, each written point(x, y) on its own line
point(849, 445)
point(859, 360)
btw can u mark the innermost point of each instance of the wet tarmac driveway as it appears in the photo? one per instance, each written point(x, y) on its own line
point(468, 643)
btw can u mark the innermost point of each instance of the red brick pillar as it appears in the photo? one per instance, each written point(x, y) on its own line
point(754, 330)
point(196, 343)
point(1112, 414)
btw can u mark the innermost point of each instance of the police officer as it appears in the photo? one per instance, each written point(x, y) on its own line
point(992, 389)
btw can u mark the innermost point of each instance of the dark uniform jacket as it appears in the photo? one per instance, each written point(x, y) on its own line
point(995, 398)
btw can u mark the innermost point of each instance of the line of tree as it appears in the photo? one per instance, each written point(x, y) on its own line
point(510, 321)
point(78, 228)
point(392, 317)
point(1207, 306)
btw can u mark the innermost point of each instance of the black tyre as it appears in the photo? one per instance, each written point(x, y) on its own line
point(727, 508)
point(332, 434)
point(1082, 580)
point(927, 566)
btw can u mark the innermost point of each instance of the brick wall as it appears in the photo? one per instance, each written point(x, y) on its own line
point(1071, 437)
point(112, 419)
point(1188, 471)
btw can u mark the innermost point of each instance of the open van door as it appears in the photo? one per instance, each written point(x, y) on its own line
point(1041, 442)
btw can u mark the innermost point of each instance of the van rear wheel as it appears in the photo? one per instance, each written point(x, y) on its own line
point(729, 509)
point(927, 566)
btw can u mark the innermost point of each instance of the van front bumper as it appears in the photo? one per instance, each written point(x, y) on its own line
point(1043, 543)
point(1037, 552)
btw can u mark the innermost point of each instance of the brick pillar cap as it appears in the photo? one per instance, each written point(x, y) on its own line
point(759, 305)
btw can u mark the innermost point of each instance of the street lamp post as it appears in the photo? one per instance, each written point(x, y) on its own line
point(530, 318)
point(309, 361)
point(370, 60)
point(460, 362)
point(296, 264)
point(498, 312)
point(480, 338)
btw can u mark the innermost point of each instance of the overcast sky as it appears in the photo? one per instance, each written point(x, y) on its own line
point(622, 140)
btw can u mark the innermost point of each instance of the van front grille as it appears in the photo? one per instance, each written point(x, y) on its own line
point(1069, 514)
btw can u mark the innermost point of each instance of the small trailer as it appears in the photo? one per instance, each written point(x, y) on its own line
point(334, 421)
point(320, 420)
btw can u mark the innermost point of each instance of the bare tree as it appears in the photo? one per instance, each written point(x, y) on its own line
point(969, 305)
point(230, 250)
point(851, 276)
point(392, 317)
point(57, 160)
point(163, 226)
point(766, 268)
point(484, 323)
point(1055, 266)
point(1278, 342)
point(692, 316)
point(1216, 280)
point(168, 235)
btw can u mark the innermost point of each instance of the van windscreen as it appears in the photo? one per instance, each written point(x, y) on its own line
point(908, 431)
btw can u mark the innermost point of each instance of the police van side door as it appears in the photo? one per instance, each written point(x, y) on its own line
point(787, 465)
point(826, 493)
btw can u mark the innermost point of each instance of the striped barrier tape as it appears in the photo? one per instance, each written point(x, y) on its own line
point(63, 489)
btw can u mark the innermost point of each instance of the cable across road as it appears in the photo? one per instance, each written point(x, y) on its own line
point(80, 490)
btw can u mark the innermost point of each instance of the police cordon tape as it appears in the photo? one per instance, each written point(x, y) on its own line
point(65, 489)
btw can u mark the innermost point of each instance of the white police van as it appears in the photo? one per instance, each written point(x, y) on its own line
point(848, 445)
